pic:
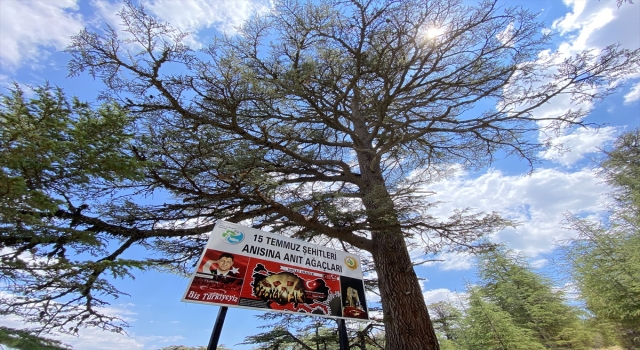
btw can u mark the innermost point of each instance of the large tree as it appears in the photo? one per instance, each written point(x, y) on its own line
point(531, 300)
point(56, 155)
point(605, 257)
point(487, 326)
point(325, 120)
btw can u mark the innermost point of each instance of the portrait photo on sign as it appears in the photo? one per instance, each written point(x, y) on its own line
point(223, 264)
point(353, 298)
point(219, 278)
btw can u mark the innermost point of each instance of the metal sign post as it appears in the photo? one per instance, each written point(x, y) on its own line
point(342, 334)
point(217, 329)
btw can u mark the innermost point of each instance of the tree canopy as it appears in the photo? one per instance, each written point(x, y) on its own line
point(604, 259)
point(323, 121)
point(56, 155)
point(295, 332)
point(531, 300)
point(512, 307)
point(24, 340)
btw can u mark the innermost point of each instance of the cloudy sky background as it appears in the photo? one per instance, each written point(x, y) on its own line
point(33, 33)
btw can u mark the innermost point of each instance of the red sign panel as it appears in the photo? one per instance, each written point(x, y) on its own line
point(236, 280)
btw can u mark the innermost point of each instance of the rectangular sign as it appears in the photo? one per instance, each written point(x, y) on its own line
point(248, 268)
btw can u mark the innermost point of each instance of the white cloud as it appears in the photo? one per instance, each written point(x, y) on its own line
point(5, 81)
point(106, 11)
point(633, 95)
point(97, 339)
point(537, 202)
point(89, 338)
point(193, 15)
point(572, 292)
point(453, 262)
point(570, 21)
point(587, 21)
point(372, 297)
point(373, 314)
point(432, 296)
point(536, 264)
point(588, 25)
point(506, 35)
point(569, 149)
point(596, 24)
point(31, 27)
point(435, 295)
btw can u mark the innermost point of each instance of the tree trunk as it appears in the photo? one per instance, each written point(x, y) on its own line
point(406, 319)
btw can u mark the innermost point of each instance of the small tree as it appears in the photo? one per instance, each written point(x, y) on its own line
point(621, 170)
point(182, 347)
point(446, 318)
point(512, 307)
point(287, 331)
point(447, 321)
point(26, 340)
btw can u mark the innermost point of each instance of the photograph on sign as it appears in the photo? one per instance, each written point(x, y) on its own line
point(249, 268)
point(219, 278)
point(279, 287)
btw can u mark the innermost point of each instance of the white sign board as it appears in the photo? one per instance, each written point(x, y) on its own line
point(249, 268)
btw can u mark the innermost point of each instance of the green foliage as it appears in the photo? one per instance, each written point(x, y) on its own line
point(530, 299)
point(446, 344)
point(294, 332)
point(25, 340)
point(57, 156)
point(488, 327)
point(182, 347)
point(621, 169)
point(512, 302)
point(605, 257)
point(604, 334)
point(446, 320)
point(51, 147)
point(606, 268)
point(282, 338)
point(512, 307)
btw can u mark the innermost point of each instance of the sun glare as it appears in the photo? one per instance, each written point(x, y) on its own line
point(433, 32)
point(430, 33)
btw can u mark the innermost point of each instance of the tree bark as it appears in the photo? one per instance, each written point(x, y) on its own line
point(406, 318)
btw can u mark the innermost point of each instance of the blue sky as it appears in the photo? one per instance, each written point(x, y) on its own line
point(33, 33)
